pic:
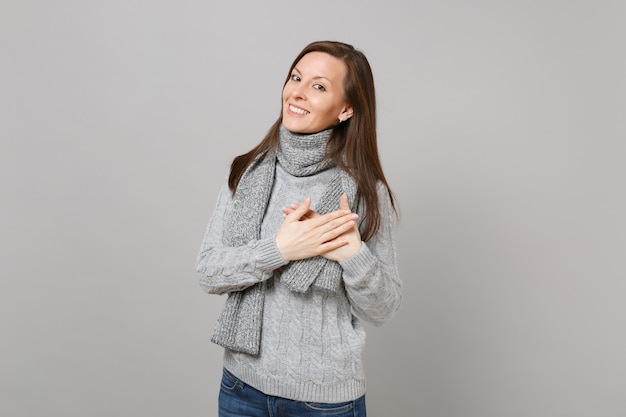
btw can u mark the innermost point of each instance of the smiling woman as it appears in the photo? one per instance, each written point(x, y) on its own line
point(303, 242)
point(313, 97)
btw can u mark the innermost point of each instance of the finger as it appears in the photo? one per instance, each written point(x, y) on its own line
point(291, 207)
point(300, 211)
point(337, 228)
point(330, 220)
point(332, 245)
point(343, 202)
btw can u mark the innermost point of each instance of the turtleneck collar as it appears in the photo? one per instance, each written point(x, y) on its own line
point(303, 154)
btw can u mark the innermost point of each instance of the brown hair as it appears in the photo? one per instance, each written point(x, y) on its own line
point(352, 145)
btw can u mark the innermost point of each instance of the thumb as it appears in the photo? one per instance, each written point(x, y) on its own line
point(343, 202)
point(300, 211)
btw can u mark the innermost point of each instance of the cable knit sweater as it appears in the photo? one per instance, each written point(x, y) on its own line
point(311, 343)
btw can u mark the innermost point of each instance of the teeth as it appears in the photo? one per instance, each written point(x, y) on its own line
point(298, 110)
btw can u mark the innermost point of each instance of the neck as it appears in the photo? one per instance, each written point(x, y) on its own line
point(303, 154)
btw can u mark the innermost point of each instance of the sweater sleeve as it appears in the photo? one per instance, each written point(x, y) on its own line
point(225, 269)
point(371, 276)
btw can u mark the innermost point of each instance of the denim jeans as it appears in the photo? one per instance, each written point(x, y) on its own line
point(238, 399)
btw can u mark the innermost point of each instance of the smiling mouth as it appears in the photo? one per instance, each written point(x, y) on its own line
point(298, 110)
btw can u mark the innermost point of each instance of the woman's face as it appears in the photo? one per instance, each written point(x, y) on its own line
point(313, 98)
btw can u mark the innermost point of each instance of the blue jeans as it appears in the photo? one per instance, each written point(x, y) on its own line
point(237, 399)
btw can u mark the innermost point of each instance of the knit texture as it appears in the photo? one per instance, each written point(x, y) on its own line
point(240, 323)
point(312, 342)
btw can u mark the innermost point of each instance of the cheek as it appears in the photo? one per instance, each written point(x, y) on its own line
point(333, 109)
point(284, 101)
point(286, 91)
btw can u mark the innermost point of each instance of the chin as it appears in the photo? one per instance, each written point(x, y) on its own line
point(294, 127)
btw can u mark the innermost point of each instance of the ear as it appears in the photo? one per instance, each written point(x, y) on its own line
point(346, 113)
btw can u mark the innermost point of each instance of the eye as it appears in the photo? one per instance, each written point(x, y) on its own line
point(319, 87)
point(295, 77)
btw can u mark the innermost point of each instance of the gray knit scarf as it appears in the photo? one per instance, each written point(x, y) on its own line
point(239, 326)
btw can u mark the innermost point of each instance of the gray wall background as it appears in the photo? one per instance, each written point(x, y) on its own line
point(502, 130)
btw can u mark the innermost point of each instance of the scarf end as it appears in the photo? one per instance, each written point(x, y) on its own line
point(250, 350)
point(240, 324)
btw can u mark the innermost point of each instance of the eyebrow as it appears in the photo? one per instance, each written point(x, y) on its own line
point(318, 77)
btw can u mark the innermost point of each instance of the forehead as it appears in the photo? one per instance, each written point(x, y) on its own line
point(321, 64)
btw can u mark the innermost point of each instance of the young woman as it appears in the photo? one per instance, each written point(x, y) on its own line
point(302, 241)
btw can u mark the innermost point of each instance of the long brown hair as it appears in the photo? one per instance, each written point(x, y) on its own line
point(353, 144)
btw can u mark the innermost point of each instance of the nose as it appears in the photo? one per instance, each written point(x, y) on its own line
point(297, 92)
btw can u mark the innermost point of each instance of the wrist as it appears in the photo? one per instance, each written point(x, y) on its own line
point(352, 249)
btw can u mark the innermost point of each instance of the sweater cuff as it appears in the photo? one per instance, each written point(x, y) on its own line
point(358, 266)
point(269, 258)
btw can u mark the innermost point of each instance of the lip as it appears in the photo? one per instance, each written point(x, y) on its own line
point(293, 113)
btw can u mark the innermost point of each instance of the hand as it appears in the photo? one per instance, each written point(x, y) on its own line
point(305, 234)
point(352, 237)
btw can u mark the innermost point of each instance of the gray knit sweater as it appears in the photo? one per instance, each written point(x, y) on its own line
point(311, 343)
